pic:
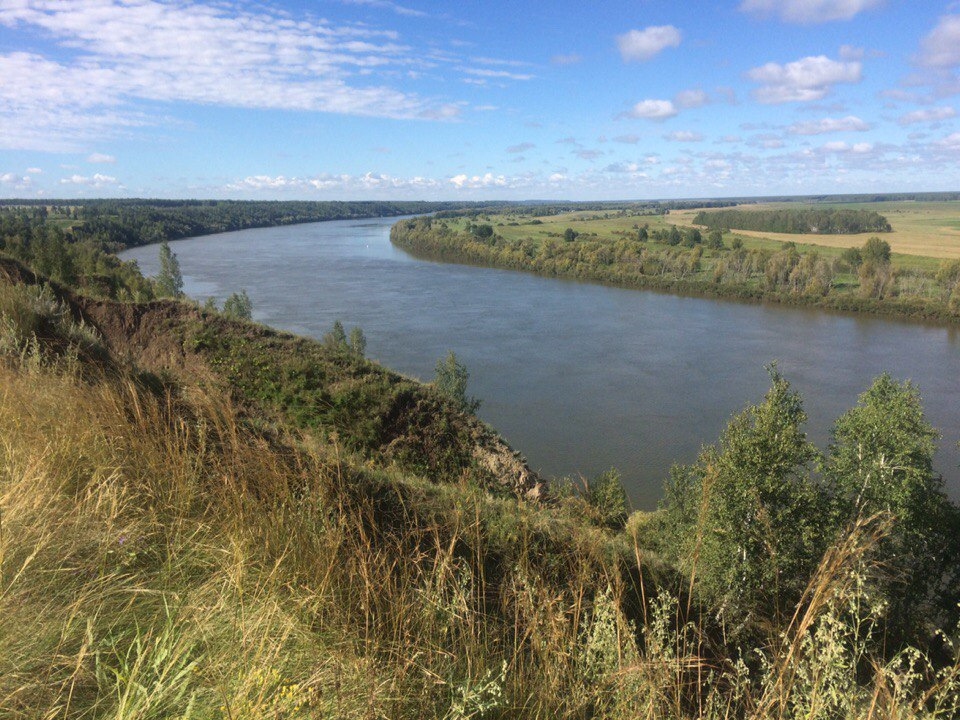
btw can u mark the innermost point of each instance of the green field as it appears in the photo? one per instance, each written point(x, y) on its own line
point(923, 232)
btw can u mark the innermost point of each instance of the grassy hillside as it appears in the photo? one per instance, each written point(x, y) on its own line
point(203, 518)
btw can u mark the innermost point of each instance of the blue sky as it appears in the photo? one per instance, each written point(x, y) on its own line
point(375, 99)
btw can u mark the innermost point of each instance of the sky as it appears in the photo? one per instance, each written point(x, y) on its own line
point(558, 99)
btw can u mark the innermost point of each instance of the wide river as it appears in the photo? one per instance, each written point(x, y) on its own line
point(579, 377)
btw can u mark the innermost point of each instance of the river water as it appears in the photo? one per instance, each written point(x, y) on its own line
point(579, 377)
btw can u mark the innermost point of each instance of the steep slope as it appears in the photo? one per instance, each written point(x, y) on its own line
point(355, 402)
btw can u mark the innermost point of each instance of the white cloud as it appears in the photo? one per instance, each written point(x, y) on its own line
point(838, 146)
point(950, 142)
point(628, 139)
point(941, 46)
point(683, 136)
point(497, 74)
point(691, 98)
point(809, 78)
point(15, 181)
point(652, 109)
point(33, 171)
point(643, 44)
point(566, 59)
point(808, 11)
point(100, 158)
point(125, 51)
point(96, 180)
point(927, 115)
point(850, 123)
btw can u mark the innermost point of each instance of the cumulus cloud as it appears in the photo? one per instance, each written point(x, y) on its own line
point(809, 78)
point(941, 46)
point(652, 109)
point(100, 158)
point(223, 53)
point(15, 181)
point(808, 11)
point(95, 181)
point(683, 136)
point(933, 114)
point(641, 45)
point(850, 123)
point(33, 171)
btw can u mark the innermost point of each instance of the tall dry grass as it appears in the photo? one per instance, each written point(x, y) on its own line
point(159, 558)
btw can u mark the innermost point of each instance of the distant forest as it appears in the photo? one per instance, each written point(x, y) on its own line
point(127, 223)
point(796, 220)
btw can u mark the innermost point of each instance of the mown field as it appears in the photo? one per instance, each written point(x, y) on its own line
point(929, 229)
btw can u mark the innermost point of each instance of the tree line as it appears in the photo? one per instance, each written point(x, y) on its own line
point(827, 221)
point(712, 263)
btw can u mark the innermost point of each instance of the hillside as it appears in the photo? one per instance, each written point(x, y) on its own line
point(205, 518)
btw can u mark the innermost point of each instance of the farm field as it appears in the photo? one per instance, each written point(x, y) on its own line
point(929, 229)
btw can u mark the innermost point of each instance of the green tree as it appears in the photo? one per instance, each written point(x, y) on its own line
point(715, 240)
point(674, 238)
point(239, 306)
point(170, 279)
point(746, 517)
point(606, 495)
point(451, 379)
point(881, 461)
point(336, 337)
point(358, 341)
point(643, 234)
point(876, 251)
point(852, 257)
point(569, 235)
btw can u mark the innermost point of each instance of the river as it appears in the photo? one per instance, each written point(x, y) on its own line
point(579, 377)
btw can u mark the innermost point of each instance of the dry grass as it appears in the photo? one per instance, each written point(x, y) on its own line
point(929, 229)
point(160, 560)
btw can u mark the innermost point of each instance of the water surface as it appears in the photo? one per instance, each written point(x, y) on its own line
point(580, 377)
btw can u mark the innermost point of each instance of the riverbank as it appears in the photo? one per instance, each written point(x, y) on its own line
point(783, 277)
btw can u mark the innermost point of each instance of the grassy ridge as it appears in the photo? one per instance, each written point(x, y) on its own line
point(162, 557)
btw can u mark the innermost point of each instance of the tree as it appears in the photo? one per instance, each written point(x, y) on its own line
point(674, 237)
point(736, 243)
point(358, 341)
point(852, 257)
point(746, 516)
point(451, 380)
point(606, 495)
point(881, 461)
point(170, 279)
point(643, 234)
point(569, 235)
point(715, 240)
point(238, 306)
point(336, 337)
point(876, 251)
